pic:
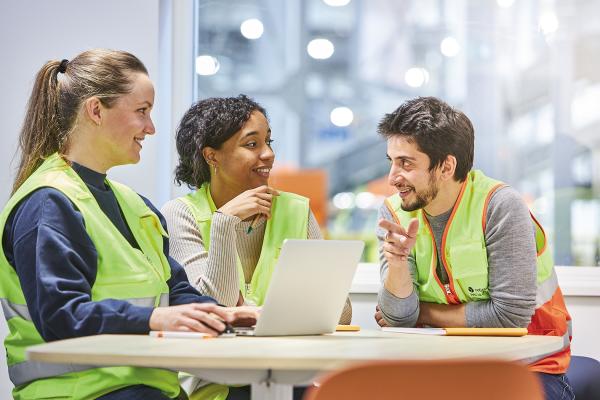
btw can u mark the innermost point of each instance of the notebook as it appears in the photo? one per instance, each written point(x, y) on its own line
point(460, 331)
point(308, 288)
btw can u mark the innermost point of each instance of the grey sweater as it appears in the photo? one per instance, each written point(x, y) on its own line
point(213, 271)
point(510, 244)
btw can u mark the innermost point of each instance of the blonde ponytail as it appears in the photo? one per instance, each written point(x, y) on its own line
point(40, 131)
point(56, 99)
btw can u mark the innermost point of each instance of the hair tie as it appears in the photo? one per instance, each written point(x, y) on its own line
point(62, 68)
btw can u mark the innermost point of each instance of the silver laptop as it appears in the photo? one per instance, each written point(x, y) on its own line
point(308, 288)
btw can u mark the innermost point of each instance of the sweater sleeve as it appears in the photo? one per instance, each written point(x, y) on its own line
point(395, 310)
point(214, 271)
point(510, 243)
point(46, 242)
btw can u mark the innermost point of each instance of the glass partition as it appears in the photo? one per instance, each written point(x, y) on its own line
point(527, 73)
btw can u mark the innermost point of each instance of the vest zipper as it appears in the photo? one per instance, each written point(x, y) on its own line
point(448, 291)
point(451, 297)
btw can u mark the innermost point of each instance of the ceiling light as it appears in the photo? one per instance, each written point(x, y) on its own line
point(320, 49)
point(252, 28)
point(207, 65)
point(548, 23)
point(416, 77)
point(336, 3)
point(449, 47)
point(505, 3)
point(341, 116)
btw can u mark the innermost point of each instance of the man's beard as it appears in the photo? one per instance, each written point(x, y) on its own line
point(424, 197)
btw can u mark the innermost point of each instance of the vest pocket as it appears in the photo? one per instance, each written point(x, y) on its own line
point(152, 224)
point(469, 265)
point(61, 387)
point(151, 234)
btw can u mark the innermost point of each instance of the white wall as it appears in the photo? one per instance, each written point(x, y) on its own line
point(33, 32)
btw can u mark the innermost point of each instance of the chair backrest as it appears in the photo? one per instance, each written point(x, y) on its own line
point(448, 380)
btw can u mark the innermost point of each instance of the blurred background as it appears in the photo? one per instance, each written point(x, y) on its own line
point(527, 73)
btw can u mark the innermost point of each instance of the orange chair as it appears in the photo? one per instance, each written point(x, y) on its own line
point(447, 380)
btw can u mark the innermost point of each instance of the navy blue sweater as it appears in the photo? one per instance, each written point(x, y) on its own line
point(45, 240)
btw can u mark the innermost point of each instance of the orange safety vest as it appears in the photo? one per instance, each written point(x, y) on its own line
point(464, 257)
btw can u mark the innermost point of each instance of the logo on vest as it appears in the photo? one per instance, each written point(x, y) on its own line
point(478, 292)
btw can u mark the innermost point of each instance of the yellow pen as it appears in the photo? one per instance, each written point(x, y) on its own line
point(347, 328)
point(180, 335)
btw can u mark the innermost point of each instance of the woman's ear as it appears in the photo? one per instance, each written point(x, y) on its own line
point(209, 155)
point(93, 110)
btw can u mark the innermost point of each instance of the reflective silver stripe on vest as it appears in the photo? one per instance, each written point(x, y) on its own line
point(566, 344)
point(164, 300)
point(28, 371)
point(149, 301)
point(142, 301)
point(12, 310)
point(546, 290)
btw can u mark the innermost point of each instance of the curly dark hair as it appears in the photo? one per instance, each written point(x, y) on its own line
point(438, 130)
point(210, 122)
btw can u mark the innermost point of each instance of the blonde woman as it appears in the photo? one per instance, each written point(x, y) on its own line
point(84, 255)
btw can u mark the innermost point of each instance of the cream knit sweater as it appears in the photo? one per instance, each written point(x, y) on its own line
point(214, 272)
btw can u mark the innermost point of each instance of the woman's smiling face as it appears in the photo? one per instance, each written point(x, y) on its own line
point(125, 125)
point(245, 160)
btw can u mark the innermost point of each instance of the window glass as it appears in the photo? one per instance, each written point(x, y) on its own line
point(527, 73)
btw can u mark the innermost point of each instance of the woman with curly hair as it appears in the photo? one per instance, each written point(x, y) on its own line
point(228, 232)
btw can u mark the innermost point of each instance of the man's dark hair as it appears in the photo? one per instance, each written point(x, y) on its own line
point(208, 123)
point(437, 129)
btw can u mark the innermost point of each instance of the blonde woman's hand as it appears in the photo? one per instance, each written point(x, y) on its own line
point(251, 202)
point(194, 317)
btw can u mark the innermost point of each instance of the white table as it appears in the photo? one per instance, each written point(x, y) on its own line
point(273, 364)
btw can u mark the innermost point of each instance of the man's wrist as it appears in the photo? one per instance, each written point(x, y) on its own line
point(400, 262)
point(398, 283)
point(423, 318)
